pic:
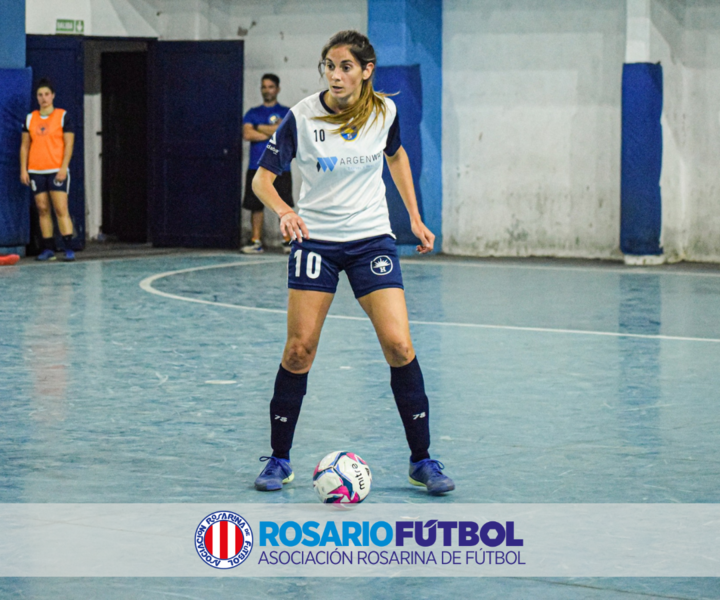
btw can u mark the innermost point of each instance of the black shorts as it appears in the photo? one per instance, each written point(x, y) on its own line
point(42, 183)
point(283, 185)
point(371, 264)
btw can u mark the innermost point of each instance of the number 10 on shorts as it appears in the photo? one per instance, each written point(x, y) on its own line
point(312, 264)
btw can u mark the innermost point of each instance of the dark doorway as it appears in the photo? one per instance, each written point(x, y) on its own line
point(196, 95)
point(124, 146)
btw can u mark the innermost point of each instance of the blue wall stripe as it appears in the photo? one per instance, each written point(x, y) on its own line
point(12, 34)
point(15, 83)
point(15, 87)
point(405, 33)
point(641, 162)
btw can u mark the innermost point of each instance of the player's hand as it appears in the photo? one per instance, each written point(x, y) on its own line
point(426, 237)
point(61, 175)
point(25, 178)
point(292, 226)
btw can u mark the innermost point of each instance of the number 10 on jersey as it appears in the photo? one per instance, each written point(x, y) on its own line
point(312, 264)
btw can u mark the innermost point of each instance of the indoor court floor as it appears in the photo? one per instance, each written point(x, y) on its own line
point(550, 381)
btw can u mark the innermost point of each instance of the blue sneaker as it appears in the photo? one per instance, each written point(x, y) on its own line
point(428, 472)
point(276, 472)
point(46, 254)
point(69, 255)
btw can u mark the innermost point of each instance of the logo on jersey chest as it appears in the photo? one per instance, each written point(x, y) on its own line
point(353, 163)
point(327, 163)
point(381, 265)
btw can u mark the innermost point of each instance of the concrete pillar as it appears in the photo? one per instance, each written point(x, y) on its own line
point(638, 27)
point(642, 91)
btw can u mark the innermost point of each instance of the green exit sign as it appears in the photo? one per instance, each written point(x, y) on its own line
point(69, 26)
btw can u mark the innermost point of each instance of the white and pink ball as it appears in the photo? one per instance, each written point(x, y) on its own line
point(342, 477)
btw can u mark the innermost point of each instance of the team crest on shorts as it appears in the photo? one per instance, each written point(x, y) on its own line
point(381, 265)
point(223, 539)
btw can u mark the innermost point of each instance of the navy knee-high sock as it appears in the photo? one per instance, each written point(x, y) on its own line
point(408, 388)
point(285, 410)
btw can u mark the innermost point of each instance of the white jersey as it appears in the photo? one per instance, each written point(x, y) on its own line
point(342, 197)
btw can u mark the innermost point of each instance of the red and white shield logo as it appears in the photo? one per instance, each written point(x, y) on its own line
point(223, 540)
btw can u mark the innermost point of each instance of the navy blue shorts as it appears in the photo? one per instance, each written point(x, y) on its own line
point(41, 183)
point(371, 264)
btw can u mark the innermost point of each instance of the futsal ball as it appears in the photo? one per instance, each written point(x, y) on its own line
point(342, 477)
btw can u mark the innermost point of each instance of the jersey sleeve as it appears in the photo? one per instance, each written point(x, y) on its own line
point(393, 139)
point(67, 124)
point(26, 123)
point(251, 118)
point(281, 147)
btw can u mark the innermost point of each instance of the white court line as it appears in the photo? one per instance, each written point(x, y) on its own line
point(146, 284)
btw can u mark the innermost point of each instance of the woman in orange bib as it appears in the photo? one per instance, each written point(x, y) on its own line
point(45, 153)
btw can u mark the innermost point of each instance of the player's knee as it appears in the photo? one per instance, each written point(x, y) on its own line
point(398, 352)
point(299, 355)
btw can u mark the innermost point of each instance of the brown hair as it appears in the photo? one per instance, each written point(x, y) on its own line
point(359, 113)
point(44, 82)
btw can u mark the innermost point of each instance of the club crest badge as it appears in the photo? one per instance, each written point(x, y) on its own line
point(381, 265)
point(223, 540)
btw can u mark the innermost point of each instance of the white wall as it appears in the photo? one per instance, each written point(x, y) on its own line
point(701, 60)
point(686, 40)
point(280, 36)
point(120, 18)
point(531, 140)
point(531, 127)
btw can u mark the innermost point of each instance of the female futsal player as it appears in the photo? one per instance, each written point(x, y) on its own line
point(339, 138)
point(45, 153)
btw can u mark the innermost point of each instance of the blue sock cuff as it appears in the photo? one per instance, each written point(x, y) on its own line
point(287, 383)
point(408, 378)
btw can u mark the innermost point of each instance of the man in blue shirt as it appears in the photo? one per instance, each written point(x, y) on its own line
point(259, 125)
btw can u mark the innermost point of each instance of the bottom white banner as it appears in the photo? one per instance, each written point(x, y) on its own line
point(366, 540)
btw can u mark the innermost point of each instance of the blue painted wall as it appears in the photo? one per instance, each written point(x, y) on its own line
point(15, 85)
point(409, 32)
point(12, 34)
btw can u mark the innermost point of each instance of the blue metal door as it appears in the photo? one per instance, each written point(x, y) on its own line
point(196, 111)
point(60, 59)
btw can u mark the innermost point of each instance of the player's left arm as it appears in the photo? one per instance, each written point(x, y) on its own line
point(399, 166)
point(69, 139)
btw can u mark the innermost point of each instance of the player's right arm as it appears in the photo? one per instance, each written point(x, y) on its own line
point(291, 225)
point(276, 158)
point(24, 151)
